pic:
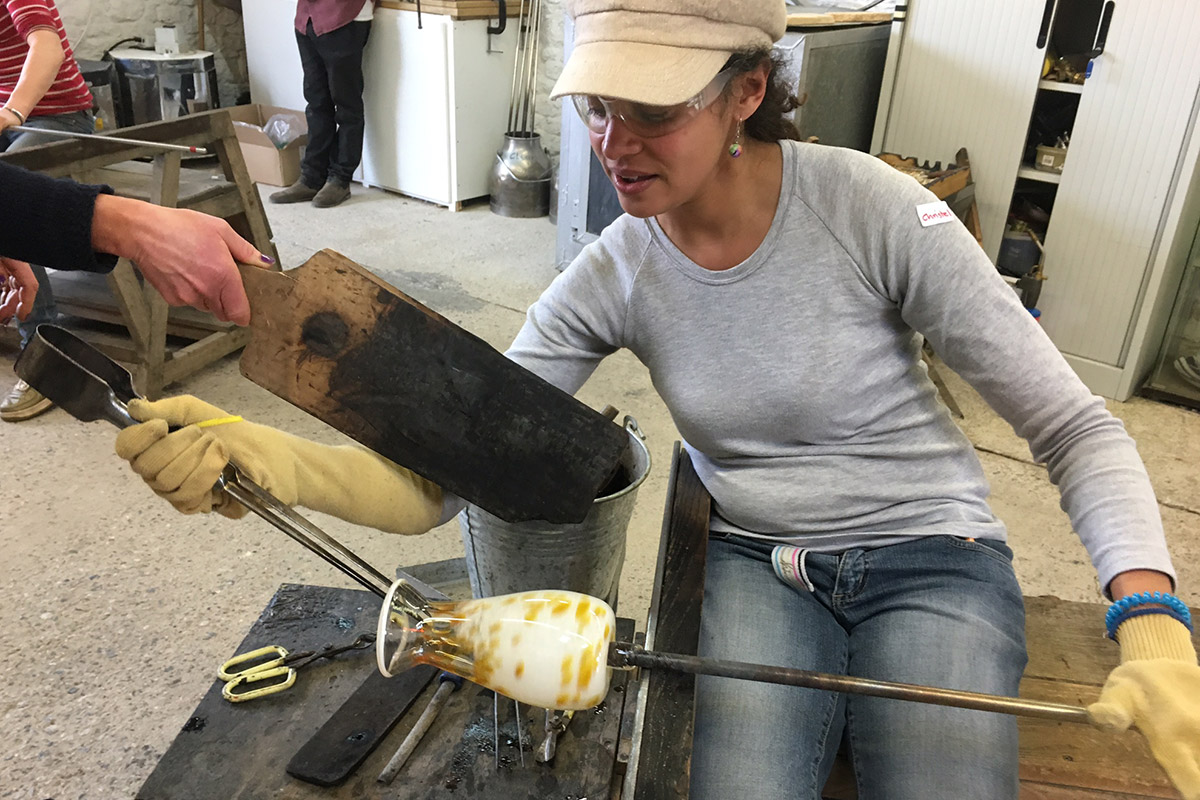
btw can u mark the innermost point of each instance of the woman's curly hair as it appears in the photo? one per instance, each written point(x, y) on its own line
point(768, 123)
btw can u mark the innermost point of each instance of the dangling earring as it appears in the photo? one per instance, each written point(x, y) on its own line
point(735, 149)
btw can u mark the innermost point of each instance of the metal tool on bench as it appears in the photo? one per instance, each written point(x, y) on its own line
point(448, 683)
point(556, 725)
point(271, 662)
point(182, 148)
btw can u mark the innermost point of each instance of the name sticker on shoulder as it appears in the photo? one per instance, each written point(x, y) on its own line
point(934, 213)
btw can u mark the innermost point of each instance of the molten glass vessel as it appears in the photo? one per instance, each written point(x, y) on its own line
point(546, 648)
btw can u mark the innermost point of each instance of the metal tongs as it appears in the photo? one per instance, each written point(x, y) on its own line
point(90, 386)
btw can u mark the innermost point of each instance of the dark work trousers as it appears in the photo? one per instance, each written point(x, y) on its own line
point(333, 88)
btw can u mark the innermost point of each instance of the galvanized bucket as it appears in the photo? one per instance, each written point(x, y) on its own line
point(504, 557)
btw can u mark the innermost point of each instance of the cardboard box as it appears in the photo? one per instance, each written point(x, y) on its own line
point(265, 162)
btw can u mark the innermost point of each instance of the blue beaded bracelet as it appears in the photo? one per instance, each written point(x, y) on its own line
point(1123, 609)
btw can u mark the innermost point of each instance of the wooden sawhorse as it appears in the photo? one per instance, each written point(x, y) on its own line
point(127, 300)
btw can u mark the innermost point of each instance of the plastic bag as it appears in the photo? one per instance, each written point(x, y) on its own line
point(283, 129)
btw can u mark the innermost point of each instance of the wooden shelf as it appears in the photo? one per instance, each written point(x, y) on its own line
point(1061, 86)
point(1038, 175)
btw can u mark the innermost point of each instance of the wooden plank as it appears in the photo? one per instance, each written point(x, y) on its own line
point(1068, 754)
point(164, 191)
point(1032, 790)
point(190, 358)
point(663, 746)
point(460, 9)
point(88, 295)
point(362, 356)
point(127, 292)
point(1066, 641)
point(229, 152)
point(804, 20)
point(133, 179)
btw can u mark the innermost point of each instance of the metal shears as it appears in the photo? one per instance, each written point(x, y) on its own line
point(276, 664)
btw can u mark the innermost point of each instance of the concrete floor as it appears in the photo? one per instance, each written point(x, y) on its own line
point(115, 611)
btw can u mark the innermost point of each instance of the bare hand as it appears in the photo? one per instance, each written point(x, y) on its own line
point(189, 257)
point(8, 120)
point(18, 287)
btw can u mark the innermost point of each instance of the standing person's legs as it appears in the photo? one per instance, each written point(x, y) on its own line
point(342, 52)
point(942, 612)
point(319, 115)
point(24, 402)
point(760, 740)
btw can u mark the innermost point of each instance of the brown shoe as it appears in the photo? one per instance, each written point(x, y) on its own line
point(298, 192)
point(24, 402)
point(332, 194)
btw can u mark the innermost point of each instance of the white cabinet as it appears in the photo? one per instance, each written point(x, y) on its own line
point(1125, 207)
point(436, 97)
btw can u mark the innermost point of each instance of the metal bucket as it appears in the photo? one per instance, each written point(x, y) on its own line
point(519, 183)
point(505, 557)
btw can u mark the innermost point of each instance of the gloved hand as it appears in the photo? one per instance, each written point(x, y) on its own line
point(1157, 688)
point(349, 482)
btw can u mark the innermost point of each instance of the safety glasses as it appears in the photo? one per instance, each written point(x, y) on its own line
point(644, 120)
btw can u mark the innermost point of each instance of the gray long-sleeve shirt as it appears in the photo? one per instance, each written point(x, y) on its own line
point(796, 381)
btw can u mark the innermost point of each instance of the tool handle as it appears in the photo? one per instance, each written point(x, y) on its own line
point(255, 659)
point(445, 688)
point(625, 655)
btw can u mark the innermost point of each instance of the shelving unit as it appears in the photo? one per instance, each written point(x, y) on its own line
point(1033, 174)
point(1119, 219)
point(1060, 86)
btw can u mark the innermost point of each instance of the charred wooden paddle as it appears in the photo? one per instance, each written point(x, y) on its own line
point(367, 359)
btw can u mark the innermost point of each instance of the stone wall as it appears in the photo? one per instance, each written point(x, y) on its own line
point(95, 25)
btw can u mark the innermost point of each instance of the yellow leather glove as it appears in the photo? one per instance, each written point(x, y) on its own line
point(1157, 688)
point(349, 482)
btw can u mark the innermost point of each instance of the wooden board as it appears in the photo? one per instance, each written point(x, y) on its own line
point(664, 744)
point(806, 20)
point(362, 356)
point(460, 9)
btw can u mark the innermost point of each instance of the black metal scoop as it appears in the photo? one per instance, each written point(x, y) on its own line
point(80, 379)
point(89, 386)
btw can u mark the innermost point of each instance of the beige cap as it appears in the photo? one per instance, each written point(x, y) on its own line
point(661, 52)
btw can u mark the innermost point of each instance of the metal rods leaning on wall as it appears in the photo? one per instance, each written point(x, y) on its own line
point(522, 100)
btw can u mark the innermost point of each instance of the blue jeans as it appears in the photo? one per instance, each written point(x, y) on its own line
point(939, 611)
point(80, 122)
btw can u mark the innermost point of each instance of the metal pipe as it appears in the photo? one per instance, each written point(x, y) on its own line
point(182, 148)
point(531, 124)
point(624, 655)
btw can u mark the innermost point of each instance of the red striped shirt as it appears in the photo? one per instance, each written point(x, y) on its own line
point(19, 18)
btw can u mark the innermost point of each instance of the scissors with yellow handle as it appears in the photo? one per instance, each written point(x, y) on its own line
point(274, 664)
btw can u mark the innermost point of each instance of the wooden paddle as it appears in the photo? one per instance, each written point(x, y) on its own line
point(365, 358)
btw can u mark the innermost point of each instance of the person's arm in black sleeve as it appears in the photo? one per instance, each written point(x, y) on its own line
point(48, 221)
point(189, 257)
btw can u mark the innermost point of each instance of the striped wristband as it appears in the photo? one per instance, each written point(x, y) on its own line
point(1135, 605)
